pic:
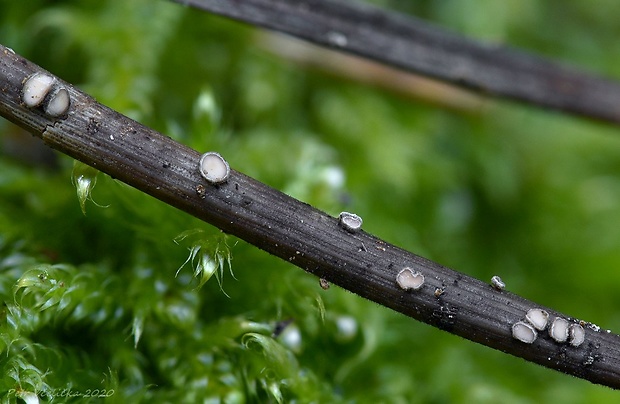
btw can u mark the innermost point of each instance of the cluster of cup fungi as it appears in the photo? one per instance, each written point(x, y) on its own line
point(44, 91)
point(560, 329)
point(216, 170)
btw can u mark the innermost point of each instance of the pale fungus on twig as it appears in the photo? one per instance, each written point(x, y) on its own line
point(214, 168)
point(576, 335)
point(559, 329)
point(409, 279)
point(350, 221)
point(36, 88)
point(538, 318)
point(58, 103)
point(41, 89)
point(524, 332)
point(497, 283)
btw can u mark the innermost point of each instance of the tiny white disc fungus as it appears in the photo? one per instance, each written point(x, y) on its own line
point(497, 283)
point(409, 279)
point(214, 168)
point(350, 221)
point(58, 103)
point(36, 88)
point(559, 329)
point(524, 332)
point(538, 318)
point(576, 335)
point(337, 39)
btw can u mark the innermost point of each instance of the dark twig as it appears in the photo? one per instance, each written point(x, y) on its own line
point(295, 231)
point(420, 47)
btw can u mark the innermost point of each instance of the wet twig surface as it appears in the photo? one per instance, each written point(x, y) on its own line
point(420, 47)
point(336, 251)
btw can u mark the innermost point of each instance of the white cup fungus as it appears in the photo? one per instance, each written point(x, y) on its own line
point(538, 318)
point(58, 103)
point(576, 335)
point(214, 168)
point(524, 332)
point(409, 279)
point(559, 329)
point(36, 89)
point(350, 221)
point(43, 90)
point(497, 283)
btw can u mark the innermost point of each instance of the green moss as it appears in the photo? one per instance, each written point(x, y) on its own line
point(119, 295)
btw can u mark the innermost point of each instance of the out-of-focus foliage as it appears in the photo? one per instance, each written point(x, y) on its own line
point(103, 302)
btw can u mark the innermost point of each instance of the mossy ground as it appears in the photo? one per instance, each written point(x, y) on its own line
point(100, 302)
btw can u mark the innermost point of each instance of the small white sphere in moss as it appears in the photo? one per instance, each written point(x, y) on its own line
point(350, 221)
point(58, 103)
point(524, 332)
point(214, 168)
point(559, 329)
point(576, 335)
point(347, 328)
point(29, 397)
point(291, 338)
point(538, 318)
point(497, 283)
point(409, 279)
point(36, 89)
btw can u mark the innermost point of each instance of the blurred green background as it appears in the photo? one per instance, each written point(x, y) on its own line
point(94, 303)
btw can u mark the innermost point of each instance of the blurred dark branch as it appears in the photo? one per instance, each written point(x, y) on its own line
point(416, 46)
point(369, 72)
point(295, 231)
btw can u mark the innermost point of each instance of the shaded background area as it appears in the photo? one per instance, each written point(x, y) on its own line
point(94, 301)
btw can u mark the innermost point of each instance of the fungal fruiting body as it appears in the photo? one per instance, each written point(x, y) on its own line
point(538, 318)
point(524, 332)
point(43, 89)
point(409, 279)
point(350, 221)
point(59, 103)
point(559, 329)
point(36, 89)
point(576, 335)
point(214, 168)
point(497, 283)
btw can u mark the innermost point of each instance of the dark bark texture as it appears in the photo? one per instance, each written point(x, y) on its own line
point(297, 232)
point(417, 46)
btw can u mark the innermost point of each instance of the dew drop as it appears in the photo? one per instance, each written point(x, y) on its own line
point(347, 328)
point(291, 338)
